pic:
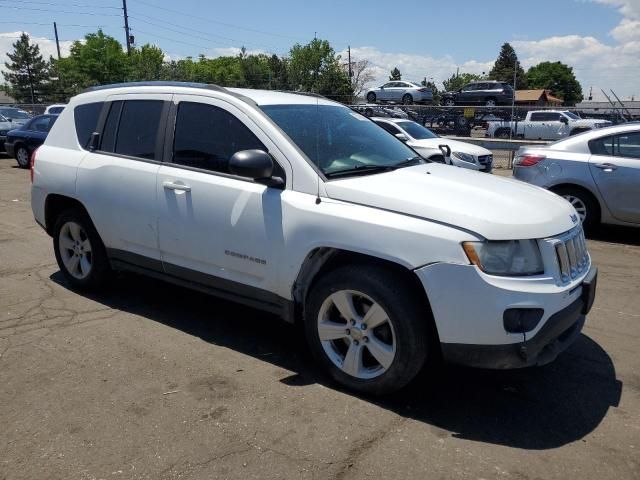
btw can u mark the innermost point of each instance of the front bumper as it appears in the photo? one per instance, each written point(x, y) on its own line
point(9, 149)
point(468, 308)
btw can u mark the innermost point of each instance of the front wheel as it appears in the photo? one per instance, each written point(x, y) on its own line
point(22, 157)
point(449, 102)
point(371, 97)
point(367, 328)
point(490, 102)
point(79, 250)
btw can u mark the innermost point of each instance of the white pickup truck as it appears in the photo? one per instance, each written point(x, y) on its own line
point(544, 125)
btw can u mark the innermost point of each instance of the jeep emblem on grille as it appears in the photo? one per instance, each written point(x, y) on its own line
point(574, 218)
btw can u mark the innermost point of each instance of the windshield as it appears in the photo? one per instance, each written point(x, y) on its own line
point(417, 131)
point(336, 138)
point(14, 113)
point(572, 115)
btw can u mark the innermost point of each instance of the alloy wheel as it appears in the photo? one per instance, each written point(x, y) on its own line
point(22, 156)
point(75, 250)
point(356, 334)
point(579, 205)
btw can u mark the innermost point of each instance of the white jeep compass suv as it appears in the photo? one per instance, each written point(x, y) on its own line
point(298, 205)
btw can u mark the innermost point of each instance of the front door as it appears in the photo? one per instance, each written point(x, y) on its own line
point(216, 228)
point(615, 167)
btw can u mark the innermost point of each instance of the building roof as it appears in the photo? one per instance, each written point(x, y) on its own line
point(536, 95)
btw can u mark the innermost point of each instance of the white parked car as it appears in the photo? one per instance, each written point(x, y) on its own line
point(297, 205)
point(56, 108)
point(544, 125)
point(430, 146)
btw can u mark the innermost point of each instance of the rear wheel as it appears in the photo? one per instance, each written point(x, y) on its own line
point(449, 102)
point(490, 102)
point(22, 156)
point(503, 133)
point(79, 250)
point(586, 206)
point(407, 99)
point(367, 328)
point(371, 97)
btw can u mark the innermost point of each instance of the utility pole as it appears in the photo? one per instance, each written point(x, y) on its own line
point(350, 71)
point(126, 26)
point(55, 29)
point(33, 98)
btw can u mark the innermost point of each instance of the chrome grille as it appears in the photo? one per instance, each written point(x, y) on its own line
point(572, 255)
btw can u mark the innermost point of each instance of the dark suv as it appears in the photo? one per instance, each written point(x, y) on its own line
point(486, 92)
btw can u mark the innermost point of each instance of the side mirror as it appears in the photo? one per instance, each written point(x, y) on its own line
point(402, 137)
point(564, 120)
point(255, 164)
point(446, 150)
point(382, 87)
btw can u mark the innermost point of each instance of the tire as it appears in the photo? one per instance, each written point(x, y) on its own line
point(502, 133)
point(75, 237)
point(371, 97)
point(400, 341)
point(22, 157)
point(449, 102)
point(584, 203)
point(490, 102)
point(407, 99)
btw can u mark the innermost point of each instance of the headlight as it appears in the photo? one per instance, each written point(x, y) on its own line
point(465, 157)
point(3, 133)
point(510, 257)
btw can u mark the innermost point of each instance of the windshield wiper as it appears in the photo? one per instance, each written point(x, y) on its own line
point(360, 169)
point(409, 162)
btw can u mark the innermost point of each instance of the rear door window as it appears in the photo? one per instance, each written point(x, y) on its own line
point(138, 127)
point(86, 120)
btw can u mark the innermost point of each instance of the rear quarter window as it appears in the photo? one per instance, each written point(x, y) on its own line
point(86, 120)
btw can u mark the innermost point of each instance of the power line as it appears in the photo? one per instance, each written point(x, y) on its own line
point(60, 11)
point(208, 20)
point(78, 5)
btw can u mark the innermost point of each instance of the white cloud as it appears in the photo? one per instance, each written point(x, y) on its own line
point(47, 47)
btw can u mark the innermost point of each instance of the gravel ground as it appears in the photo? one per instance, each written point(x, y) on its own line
point(147, 380)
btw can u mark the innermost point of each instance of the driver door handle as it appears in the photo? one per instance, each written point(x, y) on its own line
point(607, 167)
point(176, 186)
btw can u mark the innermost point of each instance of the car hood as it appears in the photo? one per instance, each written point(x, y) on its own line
point(454, 145)
point(493, 207)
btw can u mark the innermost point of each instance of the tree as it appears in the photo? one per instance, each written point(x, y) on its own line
point(504, 66)
point(315, 68)
point(145, 63)
point(98, 60)
point(395, 74)
point(557, 77)
point(279, 68)
point(434, 89)
point(27, 74)
point(361, 76)
point(459, 80)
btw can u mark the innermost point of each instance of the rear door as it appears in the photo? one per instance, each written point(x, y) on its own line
point(117, 181)
point(615, 167)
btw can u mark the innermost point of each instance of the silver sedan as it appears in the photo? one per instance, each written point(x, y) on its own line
point(598, 172)
point(400, 92)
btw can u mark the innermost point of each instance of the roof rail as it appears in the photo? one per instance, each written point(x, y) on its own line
point(307, 94)
point(159, 83)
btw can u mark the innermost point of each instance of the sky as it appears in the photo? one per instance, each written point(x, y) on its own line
point(600, 39)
